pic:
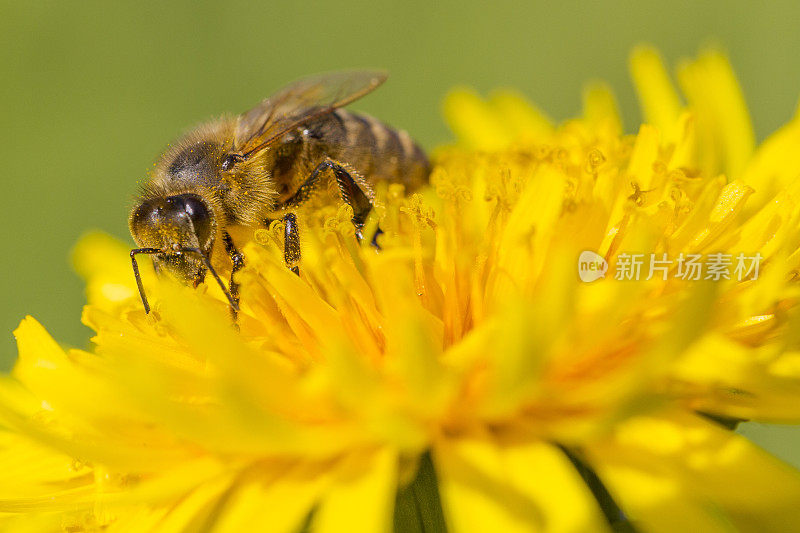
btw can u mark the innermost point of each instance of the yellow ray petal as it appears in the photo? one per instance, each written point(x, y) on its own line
point(727, 378)
point(684, 157)
point(474, 122)
point(526, 120)
point(644, 156)
point(99, 254)
point(729, 205)
point(546, 476)
point(30, 468)
point(104, 263)
point(658, 98)
point(528, 233)
point(775, 163)
point(263, 502)
point(600, 109)
point(362, 497)
point(531, 487)
point(475, 496)
point(49, 373)
point(724, 127)
point(195, 510)
point(676, 470)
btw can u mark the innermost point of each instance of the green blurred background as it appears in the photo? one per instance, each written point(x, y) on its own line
point(92, 91)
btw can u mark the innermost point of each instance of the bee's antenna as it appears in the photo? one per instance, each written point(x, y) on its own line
point(222, 286)
point(138, 277)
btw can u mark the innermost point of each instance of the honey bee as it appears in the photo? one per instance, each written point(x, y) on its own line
point(262, 165)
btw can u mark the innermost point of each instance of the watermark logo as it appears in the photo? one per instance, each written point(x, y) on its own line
point(591, 266)
point(690, 267)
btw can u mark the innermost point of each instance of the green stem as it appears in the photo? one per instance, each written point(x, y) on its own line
point(613, 514)
point(417, 506)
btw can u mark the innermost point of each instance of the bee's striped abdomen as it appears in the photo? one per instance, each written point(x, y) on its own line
point(381, 152)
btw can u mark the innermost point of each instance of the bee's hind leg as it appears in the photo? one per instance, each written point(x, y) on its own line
point(238, 262)
point(354, 190)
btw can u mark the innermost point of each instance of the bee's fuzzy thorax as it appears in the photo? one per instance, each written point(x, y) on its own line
point(242, 195)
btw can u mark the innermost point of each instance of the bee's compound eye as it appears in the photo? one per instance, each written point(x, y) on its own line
point(146, 214)
point(199, 214)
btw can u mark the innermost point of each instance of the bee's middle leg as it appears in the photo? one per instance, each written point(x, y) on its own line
point(291, 242)
point(238, 262)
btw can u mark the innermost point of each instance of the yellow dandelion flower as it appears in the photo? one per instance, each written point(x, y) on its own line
point(551, 338)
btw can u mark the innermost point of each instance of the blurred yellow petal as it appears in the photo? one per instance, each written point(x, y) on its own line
point(645, 154)
point(526, 120)
point(99, 254)
point(513, 488)
point(259, 503)
point(679, 463)
point(544, 474)
point(103, 261)
point(477, 497)
point(30, 468)
point(725, 378)
point(775, 164)
point(474, 122)
point(362, 498)
point(600, 108)
point(660, 103)
point(724, 123)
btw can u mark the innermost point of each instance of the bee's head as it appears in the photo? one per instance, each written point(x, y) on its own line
point(174, 224)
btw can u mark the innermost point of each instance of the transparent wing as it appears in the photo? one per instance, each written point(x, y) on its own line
point(299, 103)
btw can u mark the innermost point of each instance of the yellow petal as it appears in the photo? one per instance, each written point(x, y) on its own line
point(723, 216)
point(362, 498)
point(526, 120)
point(196, 510)
point(30, 468)
point(99, 254)
point(529, 230)
point(45, 370)
point(644, 156)
point(724, 127)
point(533, 487)
point(678, 470)
point(565, 500)
point(263, 502)
point(474, 122)
point(775, 163)
point(658, 98)
point(600, 109)
point(105, 264)
point(474, 499)
point(729, 379)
